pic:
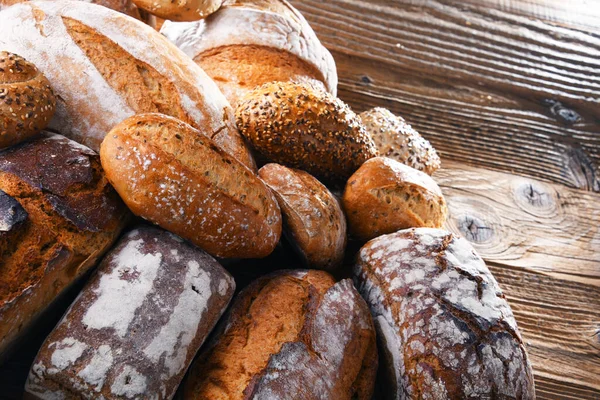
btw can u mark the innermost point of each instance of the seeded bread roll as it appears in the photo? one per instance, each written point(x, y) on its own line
point(384, 196)
point(170, 174)
point(27, 102)
point(122, 67)
point(445, 329)
point(302, 127)
point(290, 335)
point(187, 10)
point(396, 139)
point(58, 216)
point(136, 326)
point(248, 43)
point(313, 218)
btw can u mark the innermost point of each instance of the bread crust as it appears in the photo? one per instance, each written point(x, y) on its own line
point(187, 10)
point(172, 175)
point(123, 6)
point(384, 196)
point(445, 328)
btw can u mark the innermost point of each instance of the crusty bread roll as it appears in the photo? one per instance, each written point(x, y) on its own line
point(186, 10)
point(170, 174)
point(137, 325)
point(248, 43)
point(396, 139)
point(27, 102)
point(303, 127)
point(313, 218)
point(291, 335)
point(105, 66)
point(59, 215)
point(384, 196)
point(444, 327)
point(123, 6)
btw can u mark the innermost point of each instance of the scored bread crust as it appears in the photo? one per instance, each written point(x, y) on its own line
point(171, 174)
point(445, 329)
point(186, 10)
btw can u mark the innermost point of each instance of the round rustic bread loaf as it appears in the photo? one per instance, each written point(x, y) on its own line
point(290, 335)
point(27, 102)
point(187, 10)
point(396, 139)
point(300, 126)
point(384, 196)
point(172, 175)
point(313, 218)
point(444, 327)
point(123, 6)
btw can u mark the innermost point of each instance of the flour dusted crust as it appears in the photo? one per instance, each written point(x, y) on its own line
point(271, 23)
point(446, 329)
point(123, 6)
point(135, 328)
point(88, 105)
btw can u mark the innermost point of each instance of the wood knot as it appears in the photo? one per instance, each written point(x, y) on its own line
point(561, 113)
point(535, 197)
point(365, 80)
point(475, 229)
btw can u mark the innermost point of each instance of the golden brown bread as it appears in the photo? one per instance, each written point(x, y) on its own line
point(290, 335)
point(169, 173)
point(186, 10)
point(300, 126)
point(313, 218)
point(27, 102)
point(122, 6)
point(384, 196)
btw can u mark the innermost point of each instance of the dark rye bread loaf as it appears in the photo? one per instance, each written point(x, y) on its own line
point(445, 328)
point(58, 216)
point(290, 335)
point(137, 325)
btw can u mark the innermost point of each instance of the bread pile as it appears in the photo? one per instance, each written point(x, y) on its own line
point(165, 163)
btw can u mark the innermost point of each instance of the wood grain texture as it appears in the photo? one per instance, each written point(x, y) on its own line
point(486, 86)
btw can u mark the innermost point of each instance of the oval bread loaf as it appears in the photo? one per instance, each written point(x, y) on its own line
point(290, 335)
point(384, 196)
point(444, 326)
point(187, 10)
point(137, 325)
point(172, 175)
point(27, 102)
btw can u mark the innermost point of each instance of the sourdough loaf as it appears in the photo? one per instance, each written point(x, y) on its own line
point(291, 335)
point(59, 215)
point(105, 66)
point(136, 326)
point(444, 326)
point(123, 6)
point(248, 43)
point(168, 173)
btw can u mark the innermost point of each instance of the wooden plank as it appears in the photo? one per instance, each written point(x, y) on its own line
point(487, 87)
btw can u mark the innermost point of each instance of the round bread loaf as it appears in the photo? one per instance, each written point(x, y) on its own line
point(291, 335)
point(186, 10)
point(444, 327)
point(27, 102)
point(396, 139)
point(306, 128)
point(248, 43)
point(172, 175)
point(384, 196)
point(123, 6)
point(313, 219)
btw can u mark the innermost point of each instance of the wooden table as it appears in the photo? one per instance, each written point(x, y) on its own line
point(509, 93)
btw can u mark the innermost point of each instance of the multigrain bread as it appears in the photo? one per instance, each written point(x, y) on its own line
point(27, 102)
point(290, 335)
point(137, 325)
point(248, 43)
point(313, 219)
point(59, 215)
point(170, 174)
point(444, 327)
point(300, 126)
point(384, 196)
point(105, 66)
point(186, 10)
point(396, 139)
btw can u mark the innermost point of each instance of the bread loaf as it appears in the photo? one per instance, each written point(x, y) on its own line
point(105, 66)
point(59, 215)
point(170, 174)
point(445, 328)
point(136, 326)
point(302, 127)
point(123, 6)
point(248, 43)
point(384, 196)
point(291, 335)
point(313, 218)
point(188, 10)
point(27, 102)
